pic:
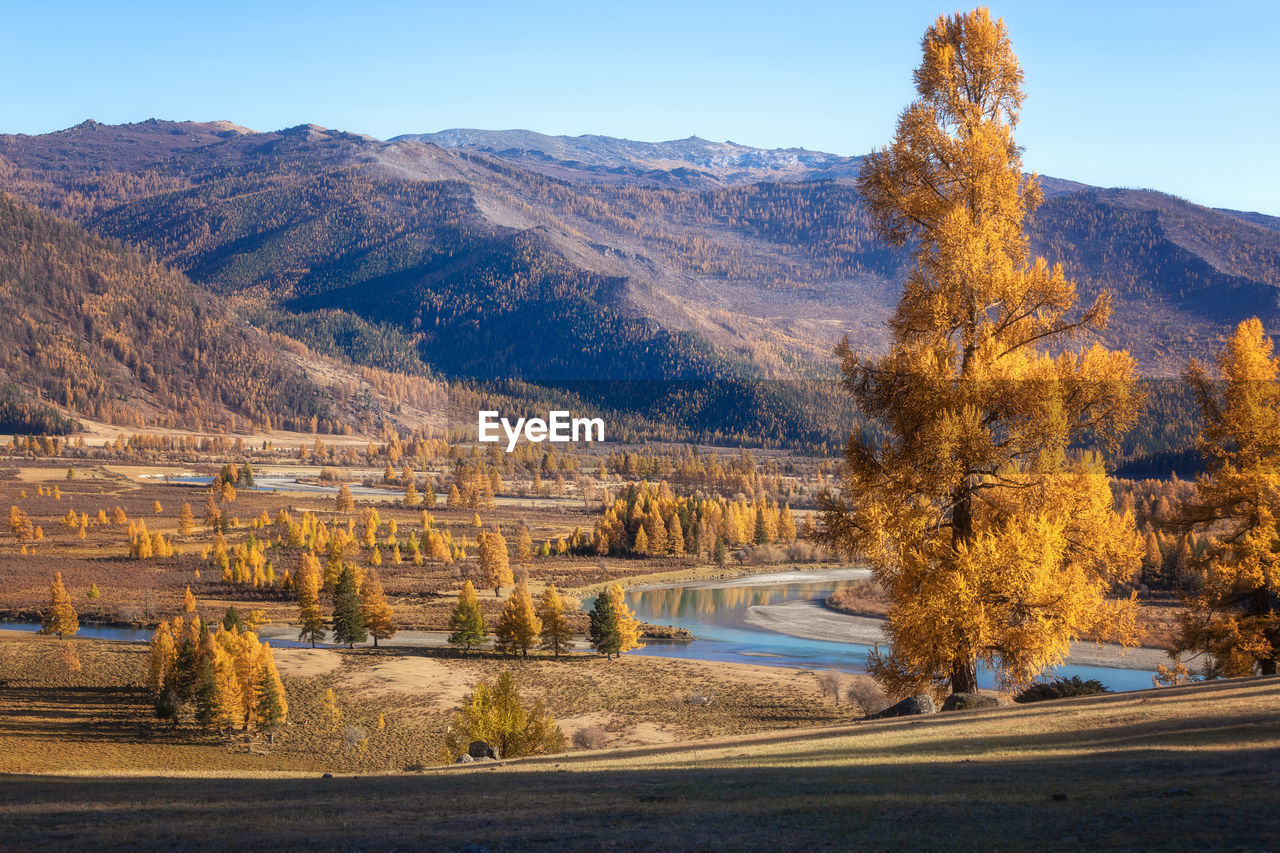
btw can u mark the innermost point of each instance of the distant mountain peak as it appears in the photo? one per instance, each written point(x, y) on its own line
point(689, 161)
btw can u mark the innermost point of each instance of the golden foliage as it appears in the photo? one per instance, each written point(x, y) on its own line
point(994, 545)
point(1234, 616)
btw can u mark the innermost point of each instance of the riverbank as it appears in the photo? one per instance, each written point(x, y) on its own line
point(812, 620)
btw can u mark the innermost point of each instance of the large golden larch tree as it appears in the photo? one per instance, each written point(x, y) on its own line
point(997, 544)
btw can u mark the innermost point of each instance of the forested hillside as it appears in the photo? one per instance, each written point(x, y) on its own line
point(102, 331)
point(511, 255)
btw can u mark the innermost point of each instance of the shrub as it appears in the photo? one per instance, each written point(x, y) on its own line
point(1061, 688)
point(591, 737)
point(867, 695)
point(829, 685)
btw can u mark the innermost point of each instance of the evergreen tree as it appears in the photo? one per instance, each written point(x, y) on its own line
point(603, 631)
point(467, 622)
point(761, 536)
point(218, 695)
point(557, 634)
point(232, 620)
point(348, 621)
point(518, 626)
point(378, 616)
point(60, 617)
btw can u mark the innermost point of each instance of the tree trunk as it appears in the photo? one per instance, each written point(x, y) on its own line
point(964, 674)
point(964, 677)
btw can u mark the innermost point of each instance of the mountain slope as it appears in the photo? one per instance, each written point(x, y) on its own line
point(104, 333)
point(514, 254)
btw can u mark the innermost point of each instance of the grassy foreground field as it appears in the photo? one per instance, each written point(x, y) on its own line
point(1189, 768)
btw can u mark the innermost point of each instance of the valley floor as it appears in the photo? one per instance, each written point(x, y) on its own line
point(1188, 768)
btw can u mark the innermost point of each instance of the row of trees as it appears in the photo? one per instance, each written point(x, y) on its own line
point(651, 520)
point(522, 625)
point(360, 608)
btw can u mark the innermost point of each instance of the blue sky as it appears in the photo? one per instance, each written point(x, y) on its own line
point(1177, 96)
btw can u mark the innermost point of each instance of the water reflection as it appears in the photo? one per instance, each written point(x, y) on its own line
point(716, 613)
point(726, 605)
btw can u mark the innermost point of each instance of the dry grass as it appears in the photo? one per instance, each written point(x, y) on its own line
point(1184, 769)
point(54, 720)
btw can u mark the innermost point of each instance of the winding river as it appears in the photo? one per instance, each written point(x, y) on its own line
point(775, 620)
point(779, 620)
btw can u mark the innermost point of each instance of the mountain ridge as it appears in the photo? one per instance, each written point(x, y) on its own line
point(762, 258)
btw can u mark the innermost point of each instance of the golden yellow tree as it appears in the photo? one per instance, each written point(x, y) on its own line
point(188, 602)
point(186, 521)
point(272, 708)
point(379, 619)
point(495, 565)
point(996, 545)
point(557, 633)
point(524, 545)
point(311, 624)
point(518, 625)
point(1234, 616)
point(60, 618)
point(160, 657)
point(344, 502)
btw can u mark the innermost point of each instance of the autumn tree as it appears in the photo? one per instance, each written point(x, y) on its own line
point(556, 633)
point(186, 520)
point(1234, 617)
point(311, 625)
point(497, 715)
point(344, 503)
point(518, 626)
point(524, 545)
point(348, 621)
point(467, 622)
point(188, 602)
point(995, 544)
point(378, 616)
point(495, 565)
point(60, 617)
point(272, 707)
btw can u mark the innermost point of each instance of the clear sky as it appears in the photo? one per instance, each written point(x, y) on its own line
point(1176, 96)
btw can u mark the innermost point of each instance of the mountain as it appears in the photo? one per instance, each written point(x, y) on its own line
point(518, 255)
point(93, 329)
point(683, 162)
